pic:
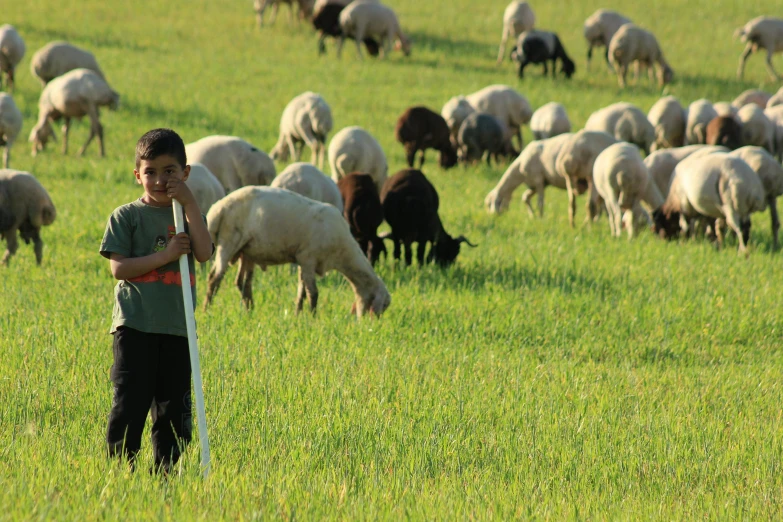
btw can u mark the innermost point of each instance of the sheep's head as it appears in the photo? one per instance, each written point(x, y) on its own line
point(40, 136)
point(374, 302)
point(495, 202)
point(446, 250)
point(403, 44)
point(448, 157)
point(569, 68)
point(667, 75)
point(666, 225)
point(114, 101)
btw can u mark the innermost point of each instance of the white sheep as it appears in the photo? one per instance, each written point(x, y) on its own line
point(757, 129)
point(624, 121)
point(517, 18)
point(206, 188)
point(762, 32)
point(770, 172)
point(371, 19)
point(10, 125)
point(775, 115)
point(57, 58)
point(667, 117)
point(760, 98)
point(307, 119)
point(599, 29)
point(725, 109)
point(700, 113)
point(535, 167)
point(621, 179)
point(353, 149)
point(631, 44)
point(25, 206)
point(233, 161)
point(575, 164)
point(12, 51)
point(661, 163)
point(501, 101)
point(306, 9)
point(77, 93)
point(308, 181)
point(549, 120)
point(776, 99)
point(270, 226)
point(717, 186)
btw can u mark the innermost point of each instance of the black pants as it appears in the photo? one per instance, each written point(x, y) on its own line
point(151, 372)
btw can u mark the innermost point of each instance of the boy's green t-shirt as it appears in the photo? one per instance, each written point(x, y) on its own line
point(152, 302)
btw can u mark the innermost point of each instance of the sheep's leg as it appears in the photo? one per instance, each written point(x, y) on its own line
point(770, 68)
point(546, 68)
point(592, 206)
point(321, 154)
point(421, 160)
point(7, 155)
point(11, 244)
point(773, 214)
point(420, 251)
point(358, 39)
point(622, 72)
point(408, 252)
point(526, 197)
point(612, 225)
point(291, 147)
point(322, 43)
point(66, 128)
point(216, 273)
point(275, 7)
point(96, 129)
point(651, 73)
point(307, 279)
point(589, 56)
point(503, 40)
point(522, 66)
point(37, 246)
point(744, 56)
point(571, 201)
point(260, 6)
point(248, 269)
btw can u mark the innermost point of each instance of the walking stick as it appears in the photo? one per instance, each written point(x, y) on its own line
point(190, 320)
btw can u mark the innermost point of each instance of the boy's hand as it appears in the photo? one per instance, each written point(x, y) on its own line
point(177, 189)
point(178, 245)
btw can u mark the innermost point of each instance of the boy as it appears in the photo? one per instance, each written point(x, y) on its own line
point(151, 370)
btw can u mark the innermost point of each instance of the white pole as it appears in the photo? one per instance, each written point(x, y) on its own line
point(190, 319)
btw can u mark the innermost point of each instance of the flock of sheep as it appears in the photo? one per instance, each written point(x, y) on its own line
point(706, 166)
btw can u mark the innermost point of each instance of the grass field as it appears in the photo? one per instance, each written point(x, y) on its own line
point(551, 373)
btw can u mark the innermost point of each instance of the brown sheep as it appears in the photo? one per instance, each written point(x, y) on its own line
point(363, 211)
point(419, 129)
point(726, 131)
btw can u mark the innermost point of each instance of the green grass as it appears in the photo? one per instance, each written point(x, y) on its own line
point(551, 373)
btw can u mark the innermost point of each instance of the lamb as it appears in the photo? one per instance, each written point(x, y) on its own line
point(305, 8)
point(550, 120)
point(599, 29)
point(206, 188)
point(233, 161)
point(25, 206)
point(762, 32)
point(78, 93)
point(575, 164)
point(419, 129)
point(501, 101)
point(716, 186)
point(363, 212)
point(307, 119)
point(271, 226)
point(668, 119)
point(517, 18)
point(326, 20)
point(621, 179)
point(535, 167)
point(760, 98)
point(631, 44)
point(775, 115)
point(308, 181)
point(57, 58)
point(538, 47)
point(10, 125)
point(725, 109)
point(725, 131)
point(777, 99)
point(410, 206)
point(12, 51)
point(369, 19)
point(756, 127)
point(353, 149)
point(660, 164)
point(625, 122)
point(700, 114)
point(770, 172)
point(482, 133)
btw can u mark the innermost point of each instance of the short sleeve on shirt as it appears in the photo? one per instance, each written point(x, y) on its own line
point(118, 235)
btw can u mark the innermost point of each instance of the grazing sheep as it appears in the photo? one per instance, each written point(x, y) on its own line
point(624, 121)
point(369, 19)
point(660, 164)
point(760, 98)
point(308, 181)
point(501, 101)
point(535, 167)
point(25, 206)
point(777, 99)
point(482, 133)
point(12, 50)
point(757, 129)
point(206, 188)
point(550, 120)
point(419, 129)
point(320, 4)
point(631, 44)
point(725, 109)
point(621, 178)
point(363, 212)
point(57, 58)
point(269, 226)
point(725, 131)
point(599, 29)
point(353, 149)
point(714, 186)
point(775, 115)
point(575, 164)
point(326, 20)
point(10, 125)
point(306, 120)
point(700, 113)
point(233, 161)
point(667, 117)
point(770, 172)
point(538, 47)
point(762, 32)
point(75, 94)
point(410, 206)
point(305, 8)
point(517, 18)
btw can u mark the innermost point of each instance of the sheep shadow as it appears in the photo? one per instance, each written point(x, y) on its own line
point(100, 40)
point(186, 117)
point(454, 46)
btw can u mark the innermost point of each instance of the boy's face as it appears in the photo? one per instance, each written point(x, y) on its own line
point(153, 174)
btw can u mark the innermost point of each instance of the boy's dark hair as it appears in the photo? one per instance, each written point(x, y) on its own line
point(158, 142)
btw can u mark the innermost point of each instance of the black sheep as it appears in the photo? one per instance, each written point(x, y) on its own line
point(482, 133)
point(327, 21)
point(419, 129)
point(539, 47)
